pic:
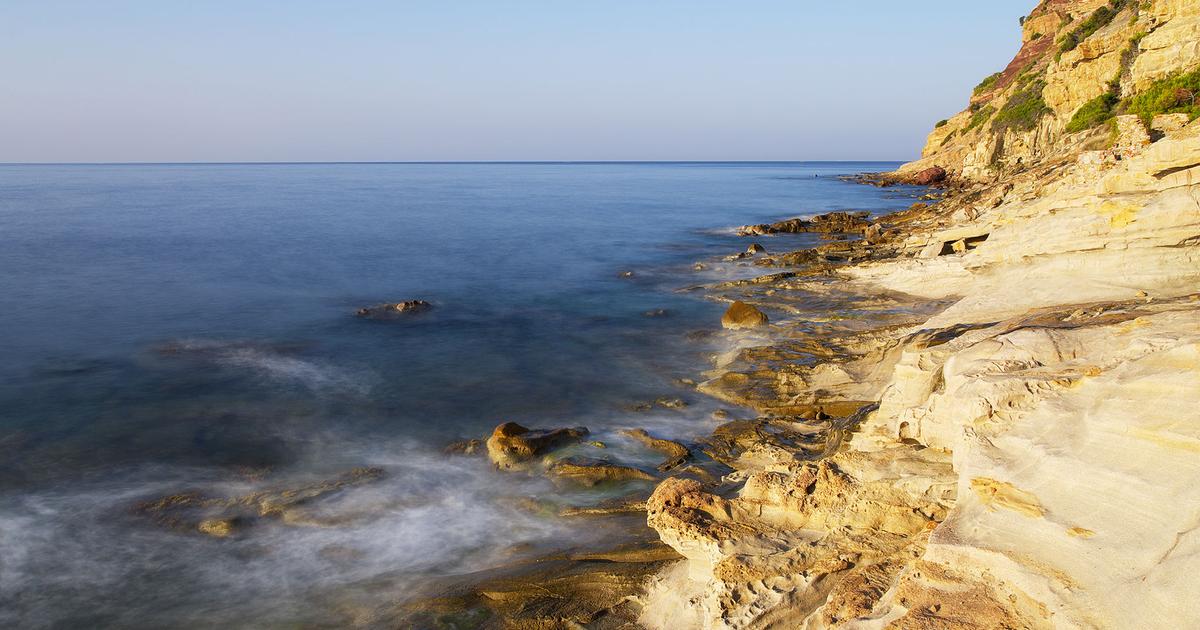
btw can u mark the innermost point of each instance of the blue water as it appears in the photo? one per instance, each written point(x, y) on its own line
point(173, 326)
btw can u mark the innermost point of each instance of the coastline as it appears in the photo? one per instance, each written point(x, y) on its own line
point(981, 414)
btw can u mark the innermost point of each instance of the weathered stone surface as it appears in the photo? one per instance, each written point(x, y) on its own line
point(833, 222)
point(590, 472)
point(929, 176)
point(512, 445)
point(741, 315)
point(676, 453)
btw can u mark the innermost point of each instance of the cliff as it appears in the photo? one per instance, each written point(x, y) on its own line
point(1001, 426)
point(1081, 63)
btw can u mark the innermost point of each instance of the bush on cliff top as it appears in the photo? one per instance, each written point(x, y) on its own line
point(987, 83)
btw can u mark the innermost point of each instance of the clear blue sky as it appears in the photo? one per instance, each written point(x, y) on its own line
point(216, 80)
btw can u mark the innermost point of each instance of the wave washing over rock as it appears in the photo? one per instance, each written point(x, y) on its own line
point(1027, 455)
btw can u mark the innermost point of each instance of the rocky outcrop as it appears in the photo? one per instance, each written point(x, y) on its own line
point(512, 445)
point(741, 315)
point(830, 223)
point(394, 309)
point(1075, 54)
point(1025, 454)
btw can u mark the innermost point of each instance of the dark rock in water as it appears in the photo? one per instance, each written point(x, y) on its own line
point(397, 309)
point(929, 176)
point(658, 312)
point(833, 222)
point(741, 315)
point(590, 472)
point(512, 444)
point(464, 447)
point(222, 517)
point(676, 453)
point(671, 403)
point(625, 274)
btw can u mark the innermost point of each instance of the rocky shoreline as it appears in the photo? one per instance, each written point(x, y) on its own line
point(977, 413)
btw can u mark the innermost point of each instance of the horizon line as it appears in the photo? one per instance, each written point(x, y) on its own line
point(431, 162)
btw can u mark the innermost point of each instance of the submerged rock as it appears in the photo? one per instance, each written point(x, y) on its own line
point(676, 453)
point(394, 309)
point(512, 444)
point(590, 472)
point(741, 315)
point(464, 447)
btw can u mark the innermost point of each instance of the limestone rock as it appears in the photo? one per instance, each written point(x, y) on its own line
point(590, 472)
point(512, 445)
point(676, 453)
point(741, 315)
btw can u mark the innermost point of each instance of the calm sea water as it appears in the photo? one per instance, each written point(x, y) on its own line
point(191, 327)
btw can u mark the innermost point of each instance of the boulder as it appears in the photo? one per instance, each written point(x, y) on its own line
point(512, 444)
point(394, 309)
point(741, 315)
point(930, 176)
point(755, 248)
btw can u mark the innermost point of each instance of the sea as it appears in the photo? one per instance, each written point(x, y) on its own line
point(190, 330)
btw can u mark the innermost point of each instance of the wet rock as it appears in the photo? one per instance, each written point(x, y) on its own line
point(590, 472)
point(217, 527)
point(671, 403)
point(676, 453)
point(833, 222)
point(755, 248)
point(223, 516)
point(512, 444)
point(929, 176)
point(625, 274)
point(395, 309)
point(657, 312)
point(741, 315)
point(464, 447)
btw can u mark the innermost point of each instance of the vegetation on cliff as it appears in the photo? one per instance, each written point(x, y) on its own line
point(1096, 21)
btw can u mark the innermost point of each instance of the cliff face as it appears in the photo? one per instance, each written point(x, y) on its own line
point(1027, 448)
point(1074, 53)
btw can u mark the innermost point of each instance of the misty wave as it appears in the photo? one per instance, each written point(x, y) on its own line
point(276, 364)
point(430, 515)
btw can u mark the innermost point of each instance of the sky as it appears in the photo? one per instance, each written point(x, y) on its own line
point(375, 80)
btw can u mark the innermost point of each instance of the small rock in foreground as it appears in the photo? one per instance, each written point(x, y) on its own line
point(741, 315)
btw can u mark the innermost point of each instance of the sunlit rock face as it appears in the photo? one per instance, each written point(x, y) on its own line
point(1034, 458)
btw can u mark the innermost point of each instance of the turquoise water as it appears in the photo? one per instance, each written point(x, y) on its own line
point(171, 327)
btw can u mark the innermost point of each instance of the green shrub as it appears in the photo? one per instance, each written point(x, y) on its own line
point(1175, 94)
point(1023, 109)
point(981, 116)
point(987, 83)
point(1096, 21)
point(1093, 113)
point(941, 123)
